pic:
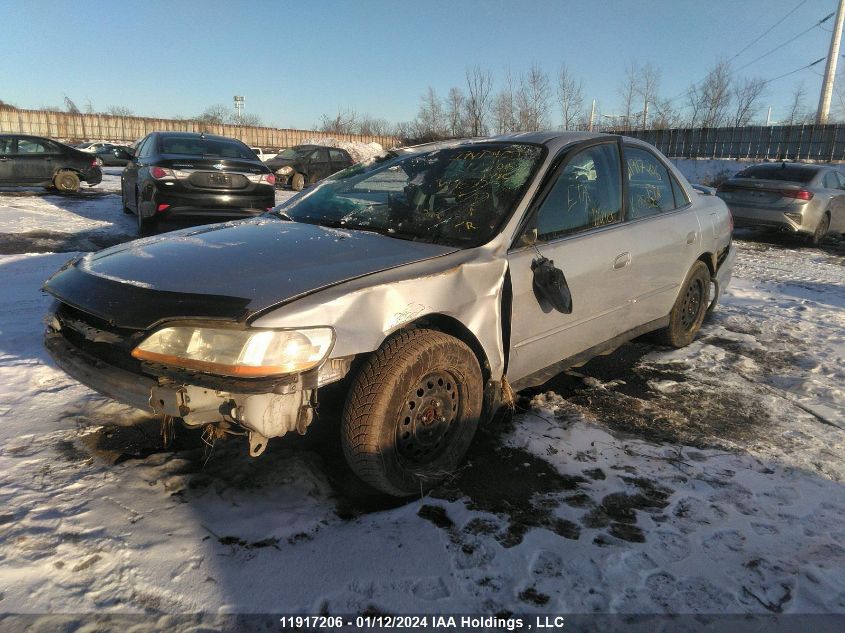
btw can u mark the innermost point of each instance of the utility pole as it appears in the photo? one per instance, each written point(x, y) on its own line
point(592, 115)
point(769, 117)
point(239, 103)
point(830, 68)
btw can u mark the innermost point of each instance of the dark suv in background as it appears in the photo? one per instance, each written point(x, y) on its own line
point(306, 164)
point(33, 160)
point(191, 174)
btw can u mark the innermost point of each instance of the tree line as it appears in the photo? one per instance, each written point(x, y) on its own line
point(534, 100)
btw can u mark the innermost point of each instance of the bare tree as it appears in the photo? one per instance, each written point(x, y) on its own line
point(479, 88)
point(119, 111)
point(746, 99)
point(665, 115)
point(70, 106)
point(628, 90)
point(646, 87)
point(798, 108)
point(249, 119)
point(504, 108)
point(715, 94)
point(454, 111)
point(533, 100)
point(570, 96)
point(430, 118)
point(373, 126)
point(215, 115)
point(343, 122)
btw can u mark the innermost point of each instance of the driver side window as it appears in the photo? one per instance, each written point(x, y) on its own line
point(587, 193)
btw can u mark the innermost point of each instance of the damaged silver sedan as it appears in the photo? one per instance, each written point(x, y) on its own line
point(433, 281)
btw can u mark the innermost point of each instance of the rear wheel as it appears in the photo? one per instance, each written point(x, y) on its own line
point(821, 230)
point(66, 182)
point(689, 309)
point(123, 204)
point(412, 412)
point(146, 226)
point(297, 182)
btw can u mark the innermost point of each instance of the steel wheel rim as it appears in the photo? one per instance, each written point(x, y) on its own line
point(427, 417)
point(691, 306)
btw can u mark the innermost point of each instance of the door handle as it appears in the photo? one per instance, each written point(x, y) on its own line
point(691, 236)
point(622, 260)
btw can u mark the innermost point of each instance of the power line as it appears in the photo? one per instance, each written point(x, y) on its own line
point(792, 39)
point(792, 72)
point(769, 30)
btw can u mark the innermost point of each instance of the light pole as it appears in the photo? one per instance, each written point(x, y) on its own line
point(239, 105)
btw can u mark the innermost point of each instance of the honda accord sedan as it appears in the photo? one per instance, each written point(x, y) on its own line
point(430, 283)
point(188, 174)
point(798, 198)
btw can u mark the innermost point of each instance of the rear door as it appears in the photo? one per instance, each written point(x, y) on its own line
point(578, 220)
point(318, 165)
point(339, 160)
point(35, 160)
point(7, 158)
point(663, 234)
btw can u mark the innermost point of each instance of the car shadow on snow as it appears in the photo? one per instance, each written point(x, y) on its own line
point(832, 244)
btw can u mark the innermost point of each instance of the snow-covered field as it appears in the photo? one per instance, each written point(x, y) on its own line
point(706, 480)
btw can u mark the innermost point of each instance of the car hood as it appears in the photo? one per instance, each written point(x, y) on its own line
point(228, 271)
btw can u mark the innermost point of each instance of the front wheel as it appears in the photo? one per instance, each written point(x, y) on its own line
point(690, 308)
point(412, 412)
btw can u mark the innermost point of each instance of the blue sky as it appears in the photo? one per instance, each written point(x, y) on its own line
point(297, 60)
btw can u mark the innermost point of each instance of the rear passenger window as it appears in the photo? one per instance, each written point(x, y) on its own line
point(337, 156)
point(587, 193)
point(27, 146)
point(681, 198)
point(649, 185)
point(830, 181)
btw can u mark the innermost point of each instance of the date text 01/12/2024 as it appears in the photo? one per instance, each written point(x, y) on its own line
point(421, 622)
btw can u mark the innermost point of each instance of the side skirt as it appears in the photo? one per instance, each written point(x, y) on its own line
point(543, 375)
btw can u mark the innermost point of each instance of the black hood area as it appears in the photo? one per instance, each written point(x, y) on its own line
point(227, 271)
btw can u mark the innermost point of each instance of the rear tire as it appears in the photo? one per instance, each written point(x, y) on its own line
point(412, 412)
point(297, 182)
point(821, 230)
point(690, 308)
point(66, 182)
point(146, 226)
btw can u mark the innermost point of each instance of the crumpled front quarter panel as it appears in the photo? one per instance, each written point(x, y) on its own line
point(466, 286)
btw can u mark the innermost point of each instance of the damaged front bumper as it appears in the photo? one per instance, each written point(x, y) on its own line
point(286, 406)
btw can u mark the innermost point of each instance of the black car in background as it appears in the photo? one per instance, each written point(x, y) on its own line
point(304, 165)
point(191, 174)
point(114, 155)
point(34, 160)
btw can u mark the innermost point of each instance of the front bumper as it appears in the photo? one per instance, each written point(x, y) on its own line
point(286, 407)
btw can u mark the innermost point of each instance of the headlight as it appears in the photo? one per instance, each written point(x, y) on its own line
point(243, 353)
point(284, 171)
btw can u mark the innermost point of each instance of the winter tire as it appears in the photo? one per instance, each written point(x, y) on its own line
point(821, 230)
point(146, 226)
point(66, 182)
point(412, 411)
point(689, 309)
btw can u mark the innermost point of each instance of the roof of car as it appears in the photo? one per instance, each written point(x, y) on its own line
point(196, 135)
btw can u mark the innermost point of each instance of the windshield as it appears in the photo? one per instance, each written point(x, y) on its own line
point(779, 172)
point(455, 196)
point(196, 146)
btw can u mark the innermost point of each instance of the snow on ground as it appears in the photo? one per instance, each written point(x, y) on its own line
point(703, 480)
